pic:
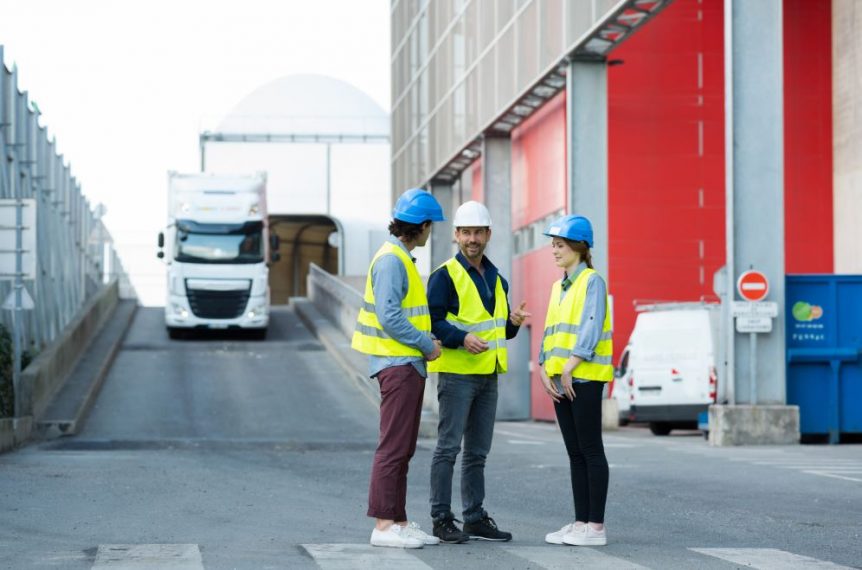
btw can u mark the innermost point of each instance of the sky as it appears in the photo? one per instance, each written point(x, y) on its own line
point(127, 86)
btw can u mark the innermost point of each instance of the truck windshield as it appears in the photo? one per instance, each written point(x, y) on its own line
point(219, 243)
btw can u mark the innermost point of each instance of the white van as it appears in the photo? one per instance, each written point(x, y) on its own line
point(622, 385)
point(672, 365)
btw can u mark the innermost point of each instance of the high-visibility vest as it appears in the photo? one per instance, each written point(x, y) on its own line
point(562, 325)
point(369, 336)
point(474, 318)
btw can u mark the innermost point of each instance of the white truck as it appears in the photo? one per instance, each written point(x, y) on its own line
point(217, 249)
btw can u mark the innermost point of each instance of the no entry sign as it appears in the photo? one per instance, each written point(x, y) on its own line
point(752, 286)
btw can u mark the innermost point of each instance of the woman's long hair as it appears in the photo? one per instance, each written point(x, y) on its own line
point(582, 249)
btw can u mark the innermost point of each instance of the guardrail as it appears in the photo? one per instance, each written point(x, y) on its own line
point(68, 256)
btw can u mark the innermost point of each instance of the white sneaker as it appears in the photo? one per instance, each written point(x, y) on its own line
point(413, 531)
point(586, 536)
point(557, 537)
point(394, 537)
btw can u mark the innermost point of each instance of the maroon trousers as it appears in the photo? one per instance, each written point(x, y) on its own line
point(401, 388)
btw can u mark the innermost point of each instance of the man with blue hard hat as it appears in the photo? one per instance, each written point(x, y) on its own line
point(394, 329)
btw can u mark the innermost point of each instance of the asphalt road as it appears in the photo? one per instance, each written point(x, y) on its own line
point(222, 452)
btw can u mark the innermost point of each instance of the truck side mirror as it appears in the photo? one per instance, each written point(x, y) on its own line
point(160, 254)
point(275, 256)
point(274, 242)
point(161, 240)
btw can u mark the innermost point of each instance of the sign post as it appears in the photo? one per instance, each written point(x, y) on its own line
point(753, 316)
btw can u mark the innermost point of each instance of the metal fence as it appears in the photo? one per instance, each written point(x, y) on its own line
point(74, 255)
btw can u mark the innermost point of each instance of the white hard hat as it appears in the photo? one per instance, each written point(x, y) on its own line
point(472, 214)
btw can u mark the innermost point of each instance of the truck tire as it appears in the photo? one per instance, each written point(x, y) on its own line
point(175, 333)
point(659, 428)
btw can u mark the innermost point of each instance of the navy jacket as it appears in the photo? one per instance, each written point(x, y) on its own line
point(443, 299)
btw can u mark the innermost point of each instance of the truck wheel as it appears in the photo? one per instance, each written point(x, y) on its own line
point(659, 428)
point(176, 333)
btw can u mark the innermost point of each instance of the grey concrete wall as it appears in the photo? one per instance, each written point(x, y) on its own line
point(336, 300)
point(46, 374)
point(847, 133)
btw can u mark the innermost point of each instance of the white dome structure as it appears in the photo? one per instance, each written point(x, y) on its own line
point(307, 104)
point(324, 145)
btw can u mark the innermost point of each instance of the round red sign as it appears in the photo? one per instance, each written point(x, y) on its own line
point(752, 286)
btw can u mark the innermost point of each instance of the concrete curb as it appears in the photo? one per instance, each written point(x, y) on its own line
point(50, 428)
point(45, 376)
point(353, 364)
point(14, 432)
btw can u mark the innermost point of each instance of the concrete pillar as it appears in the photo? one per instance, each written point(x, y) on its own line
point(756, 200)
point(441, 236)
point(497, 189)
point(587, 150)
point(754, 143)
point(514, 387)
point(847, 134)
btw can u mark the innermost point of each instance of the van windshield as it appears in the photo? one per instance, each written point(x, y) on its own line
point(219, 243)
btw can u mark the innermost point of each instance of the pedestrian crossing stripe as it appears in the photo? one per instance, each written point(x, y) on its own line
point(148, 557)
point(565, 558)
point(550, 557)
point(769, 559)
point(363, 557)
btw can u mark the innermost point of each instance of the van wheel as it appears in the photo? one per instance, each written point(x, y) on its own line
point(659, 428)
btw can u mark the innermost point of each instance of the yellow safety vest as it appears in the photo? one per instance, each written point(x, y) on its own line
point(473, 317)
point(561, 333)
point(369, 336)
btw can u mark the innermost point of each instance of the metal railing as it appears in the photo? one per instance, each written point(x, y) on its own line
point(74, 254)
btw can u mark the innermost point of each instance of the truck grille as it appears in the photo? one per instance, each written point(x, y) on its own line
point(217, 304)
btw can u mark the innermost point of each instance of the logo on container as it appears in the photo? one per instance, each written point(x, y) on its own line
point(804, 312)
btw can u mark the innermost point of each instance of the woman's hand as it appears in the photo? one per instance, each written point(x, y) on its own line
point(549, 387)
point(566, 378)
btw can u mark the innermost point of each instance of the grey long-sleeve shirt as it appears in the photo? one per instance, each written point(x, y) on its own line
point(390, 284)
point(592, 319)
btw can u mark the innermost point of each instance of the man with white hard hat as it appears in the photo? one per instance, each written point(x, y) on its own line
point(467, 298)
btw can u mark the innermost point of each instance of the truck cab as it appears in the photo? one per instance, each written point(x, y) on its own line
point(217, 248)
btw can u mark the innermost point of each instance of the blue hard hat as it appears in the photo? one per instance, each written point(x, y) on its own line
point(416, 206)
point(575, 228)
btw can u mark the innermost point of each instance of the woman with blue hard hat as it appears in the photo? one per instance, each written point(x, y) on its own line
point(575, 365)
point(394, 330)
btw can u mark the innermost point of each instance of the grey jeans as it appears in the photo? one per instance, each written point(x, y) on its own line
point(468, 408)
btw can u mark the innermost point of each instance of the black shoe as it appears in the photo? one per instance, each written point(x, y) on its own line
point(448, 533)
point(486, 529)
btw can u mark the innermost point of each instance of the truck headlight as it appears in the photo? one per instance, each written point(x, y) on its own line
point(179, 311)
point(257, 312)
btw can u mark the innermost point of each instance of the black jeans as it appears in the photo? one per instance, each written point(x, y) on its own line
point(581, 425)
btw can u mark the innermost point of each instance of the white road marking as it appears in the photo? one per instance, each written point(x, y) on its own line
point(554, 557)
point(769, 559)
point(525, 442)
point(834, 475)
point(363, 557)
point(148, 557)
